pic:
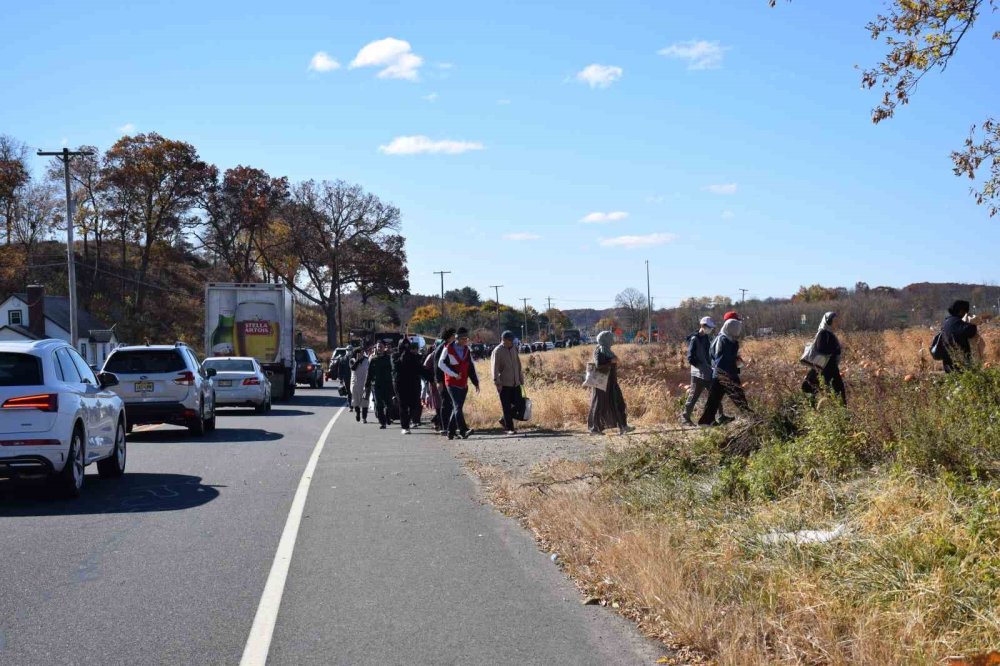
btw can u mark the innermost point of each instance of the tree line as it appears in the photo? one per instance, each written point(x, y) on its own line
point(148, 193)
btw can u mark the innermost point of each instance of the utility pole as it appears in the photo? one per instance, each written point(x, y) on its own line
point(649, 309)
point(64, 155)
point(525, 301)
point(442, 274)
point(548, 316)
point(496, 288)
point(743, 296)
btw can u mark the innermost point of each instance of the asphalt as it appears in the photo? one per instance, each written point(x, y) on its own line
point(396, 562)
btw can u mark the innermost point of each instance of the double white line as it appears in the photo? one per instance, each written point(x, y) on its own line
point(259, 642)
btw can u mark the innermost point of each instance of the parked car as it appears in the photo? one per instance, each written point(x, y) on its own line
point(332, 371)
point(240, 381)
point(57, 416)
point(478, 350)
point(164, 384)
point(537, 346)
point(549, 346)
point(525, 348)
point(308, 369)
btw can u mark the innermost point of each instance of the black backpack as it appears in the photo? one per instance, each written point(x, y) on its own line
point(938, 351)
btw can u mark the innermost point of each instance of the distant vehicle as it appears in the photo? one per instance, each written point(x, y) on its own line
point(57, 416)
point(418, 343)
point(525, 349)
point(308, 369)
point(478, 350)
point(572, 336)
point(164, 384)
point(538, 346)
point(332, 370)
point(256, 320)
point(549, 346)
point(240, 381)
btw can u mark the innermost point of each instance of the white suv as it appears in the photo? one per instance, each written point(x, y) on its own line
point(56, 416)
point(164, 384)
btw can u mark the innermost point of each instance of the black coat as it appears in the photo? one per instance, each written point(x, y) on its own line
point(956, 335)
point(826, 342)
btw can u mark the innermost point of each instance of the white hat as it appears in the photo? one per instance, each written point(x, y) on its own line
point(707, 321)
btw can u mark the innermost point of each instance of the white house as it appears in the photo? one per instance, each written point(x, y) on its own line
point(35, 316)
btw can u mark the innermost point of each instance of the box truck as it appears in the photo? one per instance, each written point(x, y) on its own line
point(254, 319)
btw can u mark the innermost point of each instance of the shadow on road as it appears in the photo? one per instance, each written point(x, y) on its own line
point(221, 435)
point(316, 400)
point(133, 493)
point(275, 411)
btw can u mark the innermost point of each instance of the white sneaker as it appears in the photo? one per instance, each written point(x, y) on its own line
point(404, 432)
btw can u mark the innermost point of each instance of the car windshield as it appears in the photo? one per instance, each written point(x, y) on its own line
point(149, 361)
point(228, 365)
point(302, 356)
point(20, 370)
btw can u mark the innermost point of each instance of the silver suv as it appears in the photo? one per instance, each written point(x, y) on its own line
point(164, 384)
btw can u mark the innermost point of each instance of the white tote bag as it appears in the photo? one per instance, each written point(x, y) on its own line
point(595, 378)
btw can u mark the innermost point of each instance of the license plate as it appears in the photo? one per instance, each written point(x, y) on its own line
point(144, 387)
point(225, 382)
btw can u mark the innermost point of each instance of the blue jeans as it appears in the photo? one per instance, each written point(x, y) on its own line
point(457, 421)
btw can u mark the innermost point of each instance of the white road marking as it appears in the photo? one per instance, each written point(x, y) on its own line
point(259, 641)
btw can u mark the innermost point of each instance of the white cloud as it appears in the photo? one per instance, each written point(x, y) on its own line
point(430, 98)
point(698, 53)
point(721, 188)
point(127, 128)
point(631, 242)
point(600, 218)
point(394, 56)
point(728, 215)
point(417, 145)
point(522, 236)
point(322, 62)
point(599, 76)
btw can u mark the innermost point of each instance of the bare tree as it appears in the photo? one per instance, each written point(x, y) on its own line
point(14, 175)
point(631, 305)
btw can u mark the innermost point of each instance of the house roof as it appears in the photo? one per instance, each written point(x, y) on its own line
point(57, 309)
point(22, 330)
point(101, 336)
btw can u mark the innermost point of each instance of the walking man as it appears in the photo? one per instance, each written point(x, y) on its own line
point(701, 369)
point(406, 374)
point(458, 368)
point(505, 365)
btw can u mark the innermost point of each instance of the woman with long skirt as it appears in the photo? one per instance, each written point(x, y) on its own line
point(607, 408)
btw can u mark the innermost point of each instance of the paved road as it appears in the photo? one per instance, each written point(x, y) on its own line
point(395, 562)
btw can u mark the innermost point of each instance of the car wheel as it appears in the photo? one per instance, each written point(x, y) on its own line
point(197, 425)
point(69, 482)
point(319, 381)
point(210, 422)
point(261, 407)
point(113, 466)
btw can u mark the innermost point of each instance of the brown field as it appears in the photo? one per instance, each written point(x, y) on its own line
point(698, 535)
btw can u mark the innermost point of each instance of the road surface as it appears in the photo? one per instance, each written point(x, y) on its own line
point(395, 560)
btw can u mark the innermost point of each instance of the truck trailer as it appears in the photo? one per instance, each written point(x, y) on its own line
point(254, 319)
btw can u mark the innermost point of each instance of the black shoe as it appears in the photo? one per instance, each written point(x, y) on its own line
point(468, 433)
point(382, 427)
point(723, 420)
point(450, 436)
point(357, 417)
point(365, 421)
point(686, 420)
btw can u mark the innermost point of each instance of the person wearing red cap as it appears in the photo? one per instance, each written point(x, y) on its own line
point(732, 314)
point(726, 362)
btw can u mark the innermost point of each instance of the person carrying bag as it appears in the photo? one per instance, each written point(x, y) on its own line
point(823, 358)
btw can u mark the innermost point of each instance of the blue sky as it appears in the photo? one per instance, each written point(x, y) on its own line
point(735, 138)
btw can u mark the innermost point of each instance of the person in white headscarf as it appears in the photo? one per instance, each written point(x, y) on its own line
point(607, 408)
point(827, 346)
point(726, 362)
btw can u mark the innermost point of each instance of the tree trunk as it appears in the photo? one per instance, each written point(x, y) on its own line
point(331, 324)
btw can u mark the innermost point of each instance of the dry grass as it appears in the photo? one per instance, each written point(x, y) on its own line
point(669, 530)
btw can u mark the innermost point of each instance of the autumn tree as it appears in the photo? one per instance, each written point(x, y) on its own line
point(325, 220)
point(155, 183)
point(465, 296)
point(14, 175)
point(238, 211)
point(377, 267)
point(923, 36)
point(38, 211)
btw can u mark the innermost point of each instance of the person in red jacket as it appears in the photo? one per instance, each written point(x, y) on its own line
point(459, 369)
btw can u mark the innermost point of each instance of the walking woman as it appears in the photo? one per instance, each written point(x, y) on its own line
point(726, 362)
point(607, 408)
point(380, 383)
point(359, 380)
point(826, 344)
point(406, 373)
